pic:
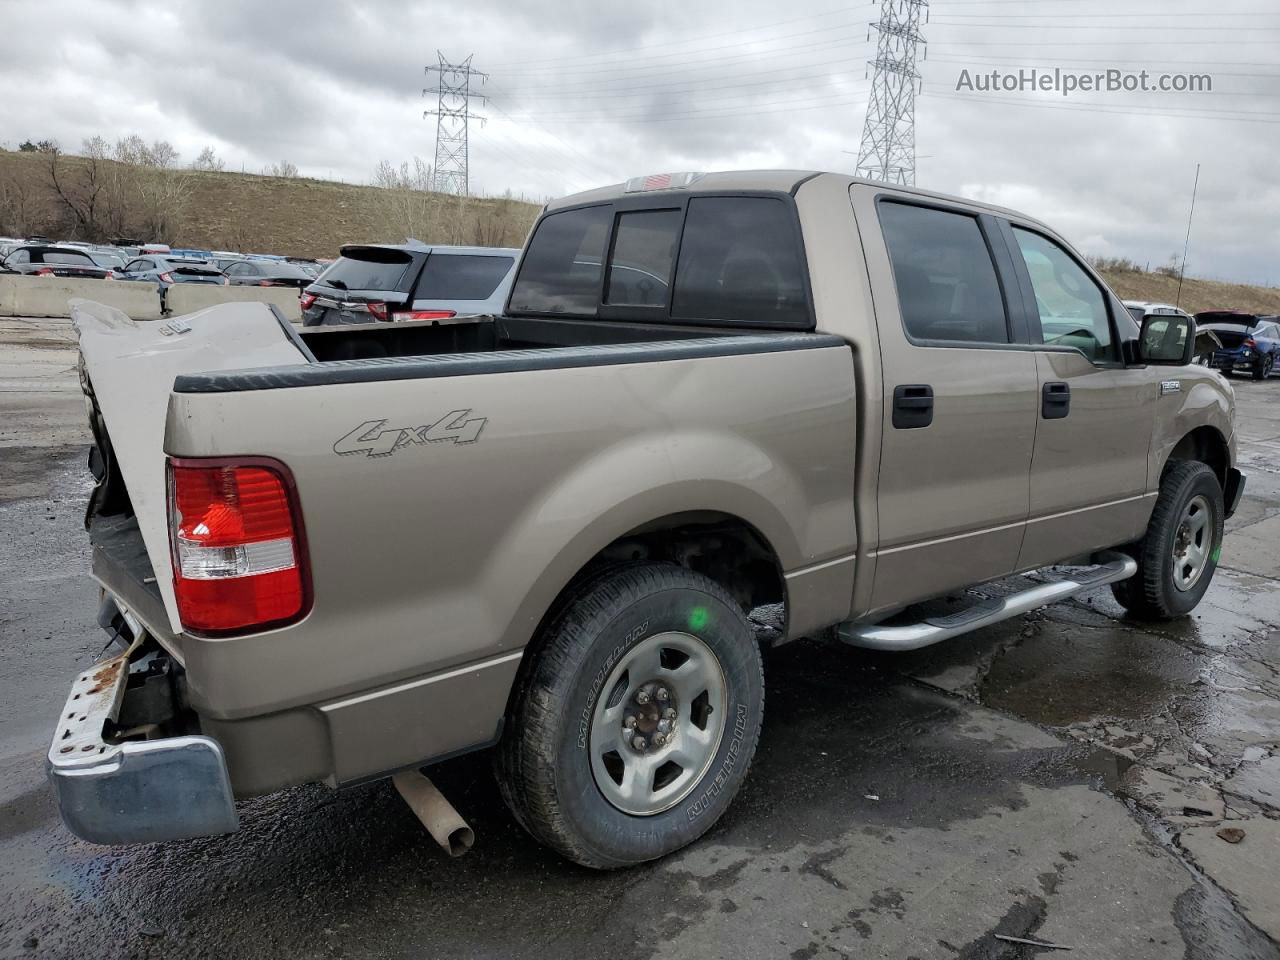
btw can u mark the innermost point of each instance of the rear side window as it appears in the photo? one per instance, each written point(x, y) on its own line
point(644, 250)
point(946, 281)
point(461, 277)
point(561, 269)
point(1073, 310)
point(67, 257)
point(371, 269)
point(740, 260)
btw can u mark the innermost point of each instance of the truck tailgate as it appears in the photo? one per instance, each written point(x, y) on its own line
point(132, 365)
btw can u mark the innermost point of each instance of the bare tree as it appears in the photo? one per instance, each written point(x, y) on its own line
point(282, 169)
point(162, 154)
point(209, 161)
point(407, 205)
point(22, 209)
point(78, 189)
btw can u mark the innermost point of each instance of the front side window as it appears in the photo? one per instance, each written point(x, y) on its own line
point(946, 281)
point(740, 260)
point(1073, 310)
point(562, 267)
point(644, 250)
point(20, 256)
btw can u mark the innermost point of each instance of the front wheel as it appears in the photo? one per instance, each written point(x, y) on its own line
point(1179, 553)
point(635, 719)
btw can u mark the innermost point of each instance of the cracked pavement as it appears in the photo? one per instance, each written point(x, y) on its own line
point(1063, 778)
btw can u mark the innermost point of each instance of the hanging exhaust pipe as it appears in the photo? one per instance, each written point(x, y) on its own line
point(437, 814)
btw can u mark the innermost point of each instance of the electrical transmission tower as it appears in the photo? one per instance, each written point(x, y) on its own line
point(888, 150)
point(453, 114)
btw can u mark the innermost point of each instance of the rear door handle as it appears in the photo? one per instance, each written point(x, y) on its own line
point(912, 406)
point(1055, 400)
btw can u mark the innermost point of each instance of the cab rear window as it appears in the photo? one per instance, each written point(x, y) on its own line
point(740, 261)
point(713, 260)
point(561, 270)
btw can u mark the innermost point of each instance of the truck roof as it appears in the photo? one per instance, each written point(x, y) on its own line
point(781, 181)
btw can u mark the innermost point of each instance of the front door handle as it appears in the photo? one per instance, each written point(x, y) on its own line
point(1055, 400)
point(912, 406)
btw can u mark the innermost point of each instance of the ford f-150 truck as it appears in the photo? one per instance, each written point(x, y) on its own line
point(339, 554)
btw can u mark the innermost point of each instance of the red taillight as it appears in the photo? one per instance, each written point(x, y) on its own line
point(423, 315)
point(239, 560)
point(377, 310)
point(266, 283)
point(109, 276)
point(45, 272)
point(1250, 342)
point(307, 301)
point(166, 278)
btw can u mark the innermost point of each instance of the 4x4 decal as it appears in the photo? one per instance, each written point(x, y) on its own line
point(375, 439)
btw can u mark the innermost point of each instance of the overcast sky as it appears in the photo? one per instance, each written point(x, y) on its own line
point(584, 93)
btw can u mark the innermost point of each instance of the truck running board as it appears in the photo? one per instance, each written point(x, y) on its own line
point(913, 636)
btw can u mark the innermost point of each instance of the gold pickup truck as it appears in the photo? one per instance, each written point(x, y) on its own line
point(339, 554)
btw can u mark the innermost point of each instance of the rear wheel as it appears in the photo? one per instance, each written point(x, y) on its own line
point(1179, 553)
point(1264, 367)
point(636, 719)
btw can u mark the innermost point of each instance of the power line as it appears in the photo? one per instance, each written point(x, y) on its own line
point(696, 56)
point(888, 148)
point(603, 119)
point(629, 51)
point(648, 90)
point(1185, 113)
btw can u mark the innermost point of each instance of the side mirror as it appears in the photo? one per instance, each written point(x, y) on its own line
point(1167, 340)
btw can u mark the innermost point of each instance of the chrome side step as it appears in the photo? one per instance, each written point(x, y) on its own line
point(913, 636)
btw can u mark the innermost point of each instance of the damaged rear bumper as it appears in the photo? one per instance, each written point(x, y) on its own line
point(138, 790)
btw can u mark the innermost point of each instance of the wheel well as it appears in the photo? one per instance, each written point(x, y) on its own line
point(1206, 445)
point(721, 546)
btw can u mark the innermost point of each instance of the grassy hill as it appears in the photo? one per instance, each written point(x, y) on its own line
point(294, 216)
point(312, 218)
point(1197, 295)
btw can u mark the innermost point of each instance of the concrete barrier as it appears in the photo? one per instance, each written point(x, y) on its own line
point(183, 298)
point(23, 296)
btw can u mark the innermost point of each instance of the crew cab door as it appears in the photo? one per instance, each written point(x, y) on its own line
point(1094, 426)
point(960, 399)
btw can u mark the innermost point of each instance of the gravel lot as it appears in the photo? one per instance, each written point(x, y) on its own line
point(1062, 777)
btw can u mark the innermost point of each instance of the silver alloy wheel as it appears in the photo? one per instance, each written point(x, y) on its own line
point(658, 722)
point(1192, 543)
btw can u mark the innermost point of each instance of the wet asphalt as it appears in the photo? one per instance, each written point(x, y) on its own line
point(1061, 778)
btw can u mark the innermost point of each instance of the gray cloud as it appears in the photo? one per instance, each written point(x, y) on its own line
point(584, 93)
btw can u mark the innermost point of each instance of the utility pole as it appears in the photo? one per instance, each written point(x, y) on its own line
point(888, 150)
point(1186, 246)
point(453, 113)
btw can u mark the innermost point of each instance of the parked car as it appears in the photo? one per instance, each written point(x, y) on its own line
point(50, 261)
point(313, 268)
point(542, 532)
point(1250, 344)
point(169, 270)
point(223, 259)
point(378, 282)
point(107, 258)
point(267, 273)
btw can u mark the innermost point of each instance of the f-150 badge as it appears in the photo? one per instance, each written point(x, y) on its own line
point(375, 439)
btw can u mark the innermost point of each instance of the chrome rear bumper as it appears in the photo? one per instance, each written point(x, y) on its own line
point(135, 791)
